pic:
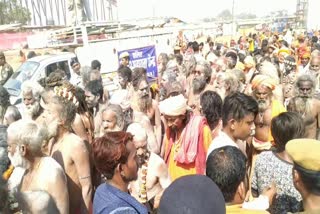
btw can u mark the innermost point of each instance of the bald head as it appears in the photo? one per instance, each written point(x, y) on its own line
point(139, 133)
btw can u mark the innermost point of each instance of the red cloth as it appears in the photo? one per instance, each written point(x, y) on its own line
point(192, 148)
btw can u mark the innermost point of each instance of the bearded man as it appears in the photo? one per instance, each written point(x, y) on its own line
point(31, 100)
point(304, 58)
point(143, 104)
point(269, 108)
point(306, 105)
point(69, 151)
point(43, 175)
point(226, 83)
point(94, 100)
point(153, 176)
point(186, 140)
point(200, 83)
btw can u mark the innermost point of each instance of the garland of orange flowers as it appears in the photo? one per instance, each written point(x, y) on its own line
point(6, 175)
point(143, 183)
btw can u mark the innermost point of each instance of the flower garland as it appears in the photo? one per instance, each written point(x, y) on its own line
point(143, 183)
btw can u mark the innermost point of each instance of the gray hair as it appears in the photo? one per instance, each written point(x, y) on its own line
point(206, 69)
point(119, 114)
point(232, 81)
point(138, 131)
point(32, 87)
point(28, 132)
point(190, 63)
point(302, 78)
point(14, 113)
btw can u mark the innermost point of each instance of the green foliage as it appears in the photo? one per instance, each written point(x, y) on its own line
point(12, 12)
point(225, 15)
point(246, 16)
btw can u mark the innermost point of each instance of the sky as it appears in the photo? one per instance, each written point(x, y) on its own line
point(188, 10)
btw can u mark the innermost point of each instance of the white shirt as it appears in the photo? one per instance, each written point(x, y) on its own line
point(76, 80)
point(220, 141)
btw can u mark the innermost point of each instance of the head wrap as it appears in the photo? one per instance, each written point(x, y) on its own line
point(263, 80)
point(305, 54)
point(124, 54)
point(192, 194)
point(173, 106)
point(284, 50)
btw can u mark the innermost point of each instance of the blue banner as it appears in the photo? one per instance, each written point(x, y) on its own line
point(143, 57)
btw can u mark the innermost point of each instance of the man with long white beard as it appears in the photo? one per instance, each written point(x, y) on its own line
point(153, 176)
point(31, 100)
point(145, 109)
point(262, 89)
point(201, 77)
point(69, 151)
point(43, 176)
point(306, 105)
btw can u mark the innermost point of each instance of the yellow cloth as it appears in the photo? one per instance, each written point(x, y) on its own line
point(240, 66)
point(235, 209)
point(276, 109)
point(177, 170)
point(251, 45)
point(265, 80)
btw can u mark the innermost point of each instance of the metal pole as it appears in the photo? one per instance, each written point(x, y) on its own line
point(233, 17)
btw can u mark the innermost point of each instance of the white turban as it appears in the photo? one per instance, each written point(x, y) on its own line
point(173, 106)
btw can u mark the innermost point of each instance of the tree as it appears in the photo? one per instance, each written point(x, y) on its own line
point(225, 15)
point(12, 12)
point(246, 16)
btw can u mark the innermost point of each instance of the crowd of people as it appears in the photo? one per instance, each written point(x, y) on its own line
point(226, 128)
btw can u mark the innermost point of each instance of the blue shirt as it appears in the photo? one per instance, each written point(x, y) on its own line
point(111, 200)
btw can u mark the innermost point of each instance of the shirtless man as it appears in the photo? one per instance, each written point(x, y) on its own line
point(306, 105)
point(263, 87)
point(31, 100)
point(201, 77)
point(148, 190)
point(94, 100)
point(142, 103)
point(70, 152)
point(42, 173)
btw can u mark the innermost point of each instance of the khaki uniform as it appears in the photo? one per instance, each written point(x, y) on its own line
point(6, 72)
